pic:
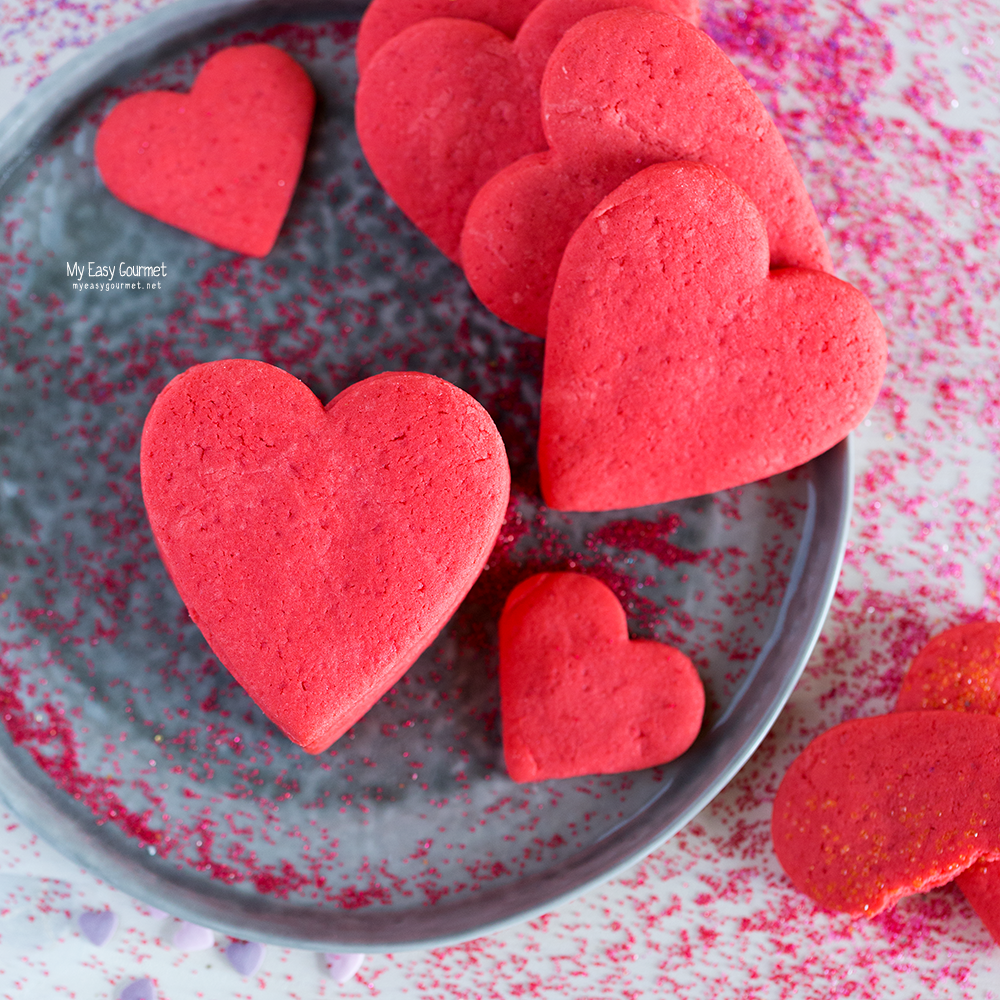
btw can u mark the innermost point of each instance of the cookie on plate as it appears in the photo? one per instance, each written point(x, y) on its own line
point(222, 161)
point(319, 549)
point(577, 696)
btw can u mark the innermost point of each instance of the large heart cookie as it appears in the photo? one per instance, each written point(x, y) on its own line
point(447, 103)
point(960, 670)
point(220, 162)
point(877, 809)
point(625, 89)
point(577, 695)
point(320, 550)
point(677, 364)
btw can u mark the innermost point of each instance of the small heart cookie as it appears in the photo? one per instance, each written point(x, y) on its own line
point(220, 162)
point(877, 809)
point(446, 103)
point(577, 695)
point(677, 364)
point(623, 90)
point(320, 550)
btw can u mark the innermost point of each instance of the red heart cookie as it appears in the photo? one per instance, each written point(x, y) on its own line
point(447, 103)
point(877, 809)
point(676, 364)
point(222, 161)
point(960, 670)
point(320, 551)
point(623, 90)
point(577, 695)
point(384, 19)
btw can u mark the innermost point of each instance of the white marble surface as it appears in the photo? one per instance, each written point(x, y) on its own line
point(905, 174)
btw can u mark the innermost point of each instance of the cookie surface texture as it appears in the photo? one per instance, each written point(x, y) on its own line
point(447, 103)
point(577, 695)
point(677, 364)
point(320, 550)
point(623, 90)
point(222, 161)
point(877, 809)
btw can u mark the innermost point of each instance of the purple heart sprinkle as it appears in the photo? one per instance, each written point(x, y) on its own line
point(191, 937)
point(140, 989)
point(343, 967)
point(245, 956)
point(98, 925)
point(156, 913)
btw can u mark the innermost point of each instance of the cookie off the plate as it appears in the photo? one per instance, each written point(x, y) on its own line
point(320, 549)
point(959, 670)
point(877, 809)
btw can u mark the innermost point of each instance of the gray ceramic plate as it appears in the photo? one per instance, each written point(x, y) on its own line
point(128, 746)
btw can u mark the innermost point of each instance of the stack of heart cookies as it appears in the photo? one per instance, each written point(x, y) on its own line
point(608, 180)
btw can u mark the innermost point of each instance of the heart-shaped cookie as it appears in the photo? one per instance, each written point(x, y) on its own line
point(320, 551)
point(960, 670)
point(677, 364)
point(578, 696)
point(222, 161)
point(384, 19)
point(877, 809)
point(447, 103)
point(625, 89)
